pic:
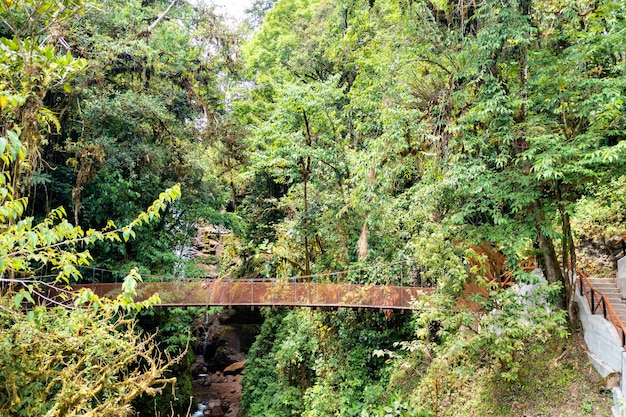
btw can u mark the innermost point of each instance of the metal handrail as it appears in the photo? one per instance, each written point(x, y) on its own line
point(403, 273)
point(283, 293)
point(596, 299)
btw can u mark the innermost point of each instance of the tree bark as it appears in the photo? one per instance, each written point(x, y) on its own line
point(546, 257)
point(568, 254)
point(306, 172)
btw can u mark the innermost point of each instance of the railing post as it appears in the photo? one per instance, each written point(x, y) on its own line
point(580, 280)
point(603, 307)
point(338, 290)
point(317, 291)
point(252, 291)
point(593, 302)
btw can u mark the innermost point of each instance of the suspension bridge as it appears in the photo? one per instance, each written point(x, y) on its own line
point(387, 287)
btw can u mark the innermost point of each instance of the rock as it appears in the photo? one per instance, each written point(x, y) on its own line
point(610, 381)
point(598, 254)
point(225, 350)
point(197, 368)
point(215, 408)
point(217, 411)
point(235, 368)
point(220, 336)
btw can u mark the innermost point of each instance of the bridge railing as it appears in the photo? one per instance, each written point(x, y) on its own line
point(282, 292)
point(390, 286)
point(403, 273)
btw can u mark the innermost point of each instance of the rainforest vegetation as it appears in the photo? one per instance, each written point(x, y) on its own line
point(474, 138)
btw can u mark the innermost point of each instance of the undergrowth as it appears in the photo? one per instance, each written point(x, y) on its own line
point(555, 379)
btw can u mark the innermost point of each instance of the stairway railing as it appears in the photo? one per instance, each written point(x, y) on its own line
point(597, 300)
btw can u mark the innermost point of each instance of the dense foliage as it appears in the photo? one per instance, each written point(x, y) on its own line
point(144, 101)
point(173, 330)
point(314, 363)
point(472, 138)
point(64, 353)
point(392, 120)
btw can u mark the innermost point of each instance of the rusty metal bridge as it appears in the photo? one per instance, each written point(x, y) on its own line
point(394, 287)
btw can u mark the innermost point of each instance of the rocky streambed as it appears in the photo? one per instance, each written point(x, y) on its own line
point(222, 343)
point(220, 391)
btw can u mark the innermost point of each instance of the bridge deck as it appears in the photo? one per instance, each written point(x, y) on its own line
point(269, 293)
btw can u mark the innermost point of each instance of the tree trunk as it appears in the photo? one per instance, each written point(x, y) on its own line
point(233, 190)
point(307, 255)
point(306, 172)
point(568, 254)
point(546, 257)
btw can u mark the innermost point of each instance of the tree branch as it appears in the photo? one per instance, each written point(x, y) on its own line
point(158, 20)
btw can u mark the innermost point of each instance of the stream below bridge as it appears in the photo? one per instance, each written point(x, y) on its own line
point(222, 343)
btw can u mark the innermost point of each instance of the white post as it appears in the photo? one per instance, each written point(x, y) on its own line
point(621, 276)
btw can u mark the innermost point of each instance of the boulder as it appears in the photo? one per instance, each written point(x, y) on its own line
point(215, 408)
point(217, 411)
point(198, 368)
point(226, 350)
point(235, 368)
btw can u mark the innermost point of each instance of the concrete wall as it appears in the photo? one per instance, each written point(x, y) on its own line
point(605, 350)
point(601, 338)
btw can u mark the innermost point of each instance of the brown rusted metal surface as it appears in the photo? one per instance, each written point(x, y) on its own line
point(269, 293)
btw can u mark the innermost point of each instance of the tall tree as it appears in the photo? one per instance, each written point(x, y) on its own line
point(35, 60)
point(139, 120)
